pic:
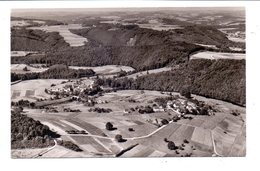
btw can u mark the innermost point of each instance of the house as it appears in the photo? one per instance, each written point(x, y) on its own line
point(127, 111)
point(158, 109)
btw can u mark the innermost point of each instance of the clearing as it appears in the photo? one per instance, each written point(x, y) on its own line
point(64, 31)
point(217, 55)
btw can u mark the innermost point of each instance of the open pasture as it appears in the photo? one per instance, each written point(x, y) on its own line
point(106, 69)
point(218, 55)
point(138, 74)
point(36, 86)
point(64, 31)
point(86, 126)
point(211, 122)
point(21, 53)
point(62, 152)
point(195, 122)
point(82, 140)
point(137, 95)
point(159, 26)
point(202, 136)
point(26, 153)
point(236, 39)
point(18, 68)
point(19, 23)
point(228, 138)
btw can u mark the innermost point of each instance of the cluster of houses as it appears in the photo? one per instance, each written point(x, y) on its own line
point(75, 87)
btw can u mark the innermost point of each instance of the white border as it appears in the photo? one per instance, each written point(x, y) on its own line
point(252, 60)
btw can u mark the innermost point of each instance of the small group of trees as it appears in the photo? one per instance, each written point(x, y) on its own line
point(76, 132)
point(69, 145)
point(146, 109)
point(100, 110)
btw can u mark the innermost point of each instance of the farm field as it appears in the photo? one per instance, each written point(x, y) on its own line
point(106, 69)
point(18, 68)
point(72, 39)
point(21, 53)
point(32, 89)
point(149, 71)
point(198, 130)
point(216, 55)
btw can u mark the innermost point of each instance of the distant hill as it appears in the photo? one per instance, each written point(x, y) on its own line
point(109, 44)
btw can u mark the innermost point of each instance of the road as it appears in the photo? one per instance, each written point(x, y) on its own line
point(47, 150)
point(214, 146)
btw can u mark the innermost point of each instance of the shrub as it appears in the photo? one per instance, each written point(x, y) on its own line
point(119, 138)
point(171, 145)
point(109, 126)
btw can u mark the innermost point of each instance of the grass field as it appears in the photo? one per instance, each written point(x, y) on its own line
point(72, 39)
point(25, 89)
point(18, 68)
point(149, 71)
point(217, 55)
point(106, 69)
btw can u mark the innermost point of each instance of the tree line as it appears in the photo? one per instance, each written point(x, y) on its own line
point(58, 71)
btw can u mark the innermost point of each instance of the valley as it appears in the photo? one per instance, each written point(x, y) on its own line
point(132, 83)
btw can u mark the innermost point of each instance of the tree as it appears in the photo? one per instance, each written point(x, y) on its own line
point(25, 69)
point(130, 129)
point(165, 121)
point(171, 145)
point(109, 126)
point(185, 92)
point(119, 138)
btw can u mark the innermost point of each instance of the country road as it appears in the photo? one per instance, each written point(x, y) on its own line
point(47, 150)
point(213, 143)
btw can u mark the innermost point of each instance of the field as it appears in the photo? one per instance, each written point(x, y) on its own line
point(21, 53)
point(201, 132)
point(32, 89)
point(149, 71)
point(215, 55)
point(107, 69)
point(18, 68)
point(72, 39)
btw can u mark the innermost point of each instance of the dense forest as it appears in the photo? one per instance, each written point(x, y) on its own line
point(58, 71)
point(222, 79)
point(29, 133)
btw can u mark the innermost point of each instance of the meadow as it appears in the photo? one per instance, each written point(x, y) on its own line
point(217, 55)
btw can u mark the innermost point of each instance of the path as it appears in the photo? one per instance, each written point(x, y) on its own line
point(47, 150)
point(214, 146)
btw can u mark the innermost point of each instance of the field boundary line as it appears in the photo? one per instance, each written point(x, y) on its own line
point(236, 139)
point(213, 143)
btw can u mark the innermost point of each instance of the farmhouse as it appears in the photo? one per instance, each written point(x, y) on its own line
point(158, 109)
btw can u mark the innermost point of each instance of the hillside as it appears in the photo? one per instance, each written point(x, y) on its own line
point(222, 79)
point(110, 44)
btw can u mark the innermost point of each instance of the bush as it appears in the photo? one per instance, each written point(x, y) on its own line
point(171, 145)
point(109, 126)
point(119, 138)
point(69, 145)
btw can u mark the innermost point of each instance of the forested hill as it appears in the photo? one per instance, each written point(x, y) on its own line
point(222, 79)
point(108, 44)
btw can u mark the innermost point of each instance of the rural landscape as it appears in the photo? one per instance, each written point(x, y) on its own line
point(128, 82)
